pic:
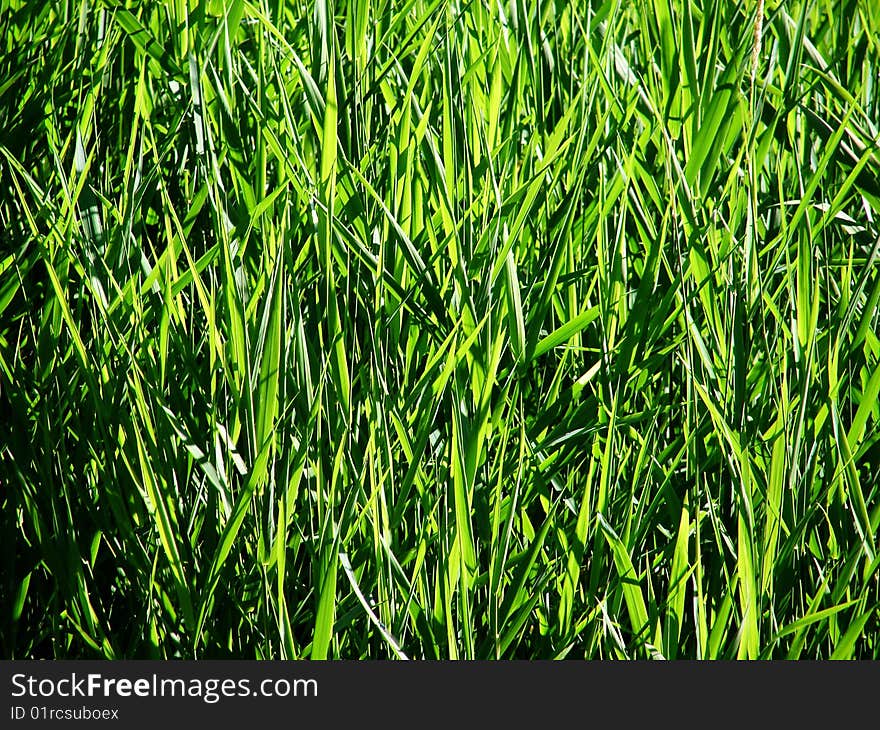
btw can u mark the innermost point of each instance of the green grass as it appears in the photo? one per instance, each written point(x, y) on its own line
point(440, 329)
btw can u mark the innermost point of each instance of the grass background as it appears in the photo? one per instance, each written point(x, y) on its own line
point(439, 329)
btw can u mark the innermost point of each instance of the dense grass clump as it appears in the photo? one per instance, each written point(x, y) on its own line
point(440, 329)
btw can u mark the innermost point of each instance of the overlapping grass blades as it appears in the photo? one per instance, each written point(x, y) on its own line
point(362, 329)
